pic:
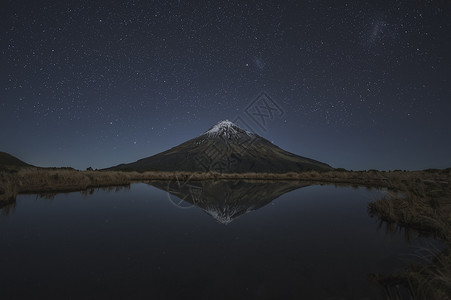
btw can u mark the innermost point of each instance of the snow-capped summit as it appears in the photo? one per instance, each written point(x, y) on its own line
point(227, 130)
point(221, 126)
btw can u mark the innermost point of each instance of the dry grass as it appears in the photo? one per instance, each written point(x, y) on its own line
point(428, 280)
point(32, 180)
point(423, 204)
point(35, 180)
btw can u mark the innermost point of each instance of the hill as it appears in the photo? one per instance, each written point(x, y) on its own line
point(9, 161)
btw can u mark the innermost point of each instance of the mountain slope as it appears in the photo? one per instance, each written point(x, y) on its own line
point(7, 160)
point(225, 148)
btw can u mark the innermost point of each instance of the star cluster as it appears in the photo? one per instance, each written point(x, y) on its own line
point(362, 84)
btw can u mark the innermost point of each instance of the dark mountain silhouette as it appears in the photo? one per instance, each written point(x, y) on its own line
point(7, 160)
point(229, 149)
point(225, 200)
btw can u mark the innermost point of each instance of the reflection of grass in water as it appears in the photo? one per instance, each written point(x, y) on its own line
point(424, 206)
point(7, 207)
point(109, 189)
point(87, 192)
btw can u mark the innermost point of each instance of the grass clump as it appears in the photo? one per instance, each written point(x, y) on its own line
point(423, 204)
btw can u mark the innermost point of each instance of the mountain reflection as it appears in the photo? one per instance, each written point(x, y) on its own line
point(226, 200)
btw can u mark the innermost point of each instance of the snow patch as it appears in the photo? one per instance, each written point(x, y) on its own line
point(226, 128)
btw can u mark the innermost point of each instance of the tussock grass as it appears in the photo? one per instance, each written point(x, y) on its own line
point(424, 204)
point(428, 280)
point(35, 180)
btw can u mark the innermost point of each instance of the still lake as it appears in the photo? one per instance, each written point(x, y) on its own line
point(227, 240)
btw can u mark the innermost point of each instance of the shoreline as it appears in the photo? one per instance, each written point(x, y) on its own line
point(418, 200)
point(38, 180)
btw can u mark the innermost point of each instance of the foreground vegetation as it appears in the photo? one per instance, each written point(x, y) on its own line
point(37, 180)
point(423, 205)
point(420, 200)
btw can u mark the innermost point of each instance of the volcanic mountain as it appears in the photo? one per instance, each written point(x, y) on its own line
point(225, 148)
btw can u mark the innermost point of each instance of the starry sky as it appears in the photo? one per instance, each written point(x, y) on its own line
point(357, 84)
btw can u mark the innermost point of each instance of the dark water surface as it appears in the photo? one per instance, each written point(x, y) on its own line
point(314, 242)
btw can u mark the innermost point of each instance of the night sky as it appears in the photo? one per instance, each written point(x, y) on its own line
point(358, 84)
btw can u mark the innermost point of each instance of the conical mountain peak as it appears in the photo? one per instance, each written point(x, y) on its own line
point(225, 148)
point(226, 129)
